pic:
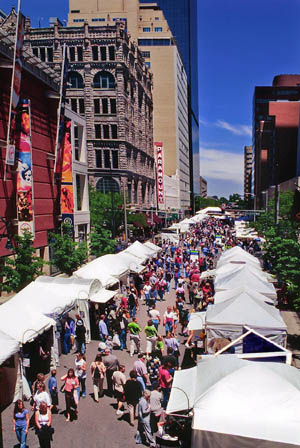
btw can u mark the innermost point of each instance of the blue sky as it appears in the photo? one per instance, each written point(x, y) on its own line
point(242, 43)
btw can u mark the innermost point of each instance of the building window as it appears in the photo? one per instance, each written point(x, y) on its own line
point(98, 158)
point(113, 106)
point(156, 18)
point(81, 106)
point(148, 64)
point(104, 80)
point(104, 105)
point(146, 30)
point(146, 54)
point(79, 190)
point(74, 104)
point(107, 158)
point(115, 159)
point(72, 54)
point(79, 54)
point(76, 143)
point(97, 106)
point(106, 131)
point(35, 52)
point(77, 105)
point(95, 54)
point(111, 51)
point(50, 54)
point(103, 53)
point(153, 42)
point(135, 192)
point(158, 29)
point(114, 131)
point(75, 80)
point(98, 19)
point(43, 54)
point(97, 131)
point(107, 185)
point(78, 20)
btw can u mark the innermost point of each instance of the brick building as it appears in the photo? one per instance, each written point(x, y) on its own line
point(247, 172)
point(39, 84)
point(111, 86)
point(275, 134)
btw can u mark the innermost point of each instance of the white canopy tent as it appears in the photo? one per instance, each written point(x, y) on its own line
point(200, 217)
point(153, 247)
point(231, 267)
point(236, 255)
point(172, 237)
point(140, 251)
point(227, 319)
point(108, 269)
point(244, 292)
point(197, 321)
point(245, 276)
point(8, 346)
point(209, 210)
point(103, 296)
point(240, 404)
point(133, 263)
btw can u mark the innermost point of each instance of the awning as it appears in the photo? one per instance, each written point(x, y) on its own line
point(103, 296)
point(197, 321)
point(8, 347)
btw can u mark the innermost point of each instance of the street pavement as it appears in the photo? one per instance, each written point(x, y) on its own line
point(97, 424)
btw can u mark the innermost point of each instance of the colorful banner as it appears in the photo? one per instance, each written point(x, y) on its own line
point(61, 116)
point(15, 90)
point(66, 188)
point(158, 149)
point(24, 189)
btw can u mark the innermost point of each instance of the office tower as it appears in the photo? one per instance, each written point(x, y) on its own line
point(148, 27)
point(247, 172)
point(203, 187)
point(275, 134)
point(110, 86)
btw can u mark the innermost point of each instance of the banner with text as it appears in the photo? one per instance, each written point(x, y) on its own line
point(66, 188)
point(25, 207)
point(15, 90)
point(158, 150)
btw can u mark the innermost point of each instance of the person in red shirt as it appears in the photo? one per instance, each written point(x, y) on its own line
point(124, 302)
point(165, 380)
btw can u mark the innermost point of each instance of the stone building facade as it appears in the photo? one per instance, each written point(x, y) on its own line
point(111, 86)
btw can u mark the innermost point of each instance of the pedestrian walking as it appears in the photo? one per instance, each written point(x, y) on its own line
point(52, 386)
point(43, 421)
point(165, 380)
point(112, 364)
point(103, 331)
point(144, 433)
point(119, 380)
point(41, 396)
point(168, 321)
point(135, 340)
point(80, 332)
point(70, 391)
point(21, 422)
point(140, 368)
point(98, 370)
point(133, 392)
point(154, 314)
point(151, 334)
point(80, 372)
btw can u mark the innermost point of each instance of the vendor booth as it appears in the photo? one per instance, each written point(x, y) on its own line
point(239, 404)
point(227, 319)
point(140, 251)
point(237, 255)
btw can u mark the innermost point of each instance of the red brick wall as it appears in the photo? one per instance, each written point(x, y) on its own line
point(44, 113)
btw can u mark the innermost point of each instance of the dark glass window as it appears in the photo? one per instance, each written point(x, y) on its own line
point(103, 53)
point(154, 42)
point(43, 54)
point(107, 158)
point(146, 54)
point(78, 192)
point(76, 142)
point(81, 106)
point(76, 81)
point(74, 104)
point(95, 53)
point(106, 131)
point(111, 51)
point(97, 106)
point(115, 159)
point(79, 54)
point(104, 80)
point(113, 106)
point(35, 51)
point(97, 131)
point(114, 131)
point(104, 105)
point(98, 158)
point(50, 54)
point(72, 53)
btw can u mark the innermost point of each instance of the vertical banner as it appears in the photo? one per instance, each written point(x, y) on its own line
point(66, 187)
point(24, 169)
point(61, 116)
point(158, 150)
point(15, 90)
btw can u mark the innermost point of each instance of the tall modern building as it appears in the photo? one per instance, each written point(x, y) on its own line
point(275, 134)
point(182, 17)
point(148, 27)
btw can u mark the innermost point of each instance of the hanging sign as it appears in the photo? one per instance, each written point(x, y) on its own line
point(158, 149)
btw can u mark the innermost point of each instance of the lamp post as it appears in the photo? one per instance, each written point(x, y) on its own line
point(125, 214)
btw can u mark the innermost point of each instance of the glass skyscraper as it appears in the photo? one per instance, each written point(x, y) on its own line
point(182, 17)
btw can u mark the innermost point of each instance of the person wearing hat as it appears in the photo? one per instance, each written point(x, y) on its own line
point(80, 331)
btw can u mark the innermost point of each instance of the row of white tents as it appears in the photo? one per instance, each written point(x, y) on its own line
point(237, 403)
point(36, 307)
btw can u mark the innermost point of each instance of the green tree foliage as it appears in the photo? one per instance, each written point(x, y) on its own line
point(282, 249)
point(24, 267)
point(67, 254)
point(101, 242)
point(240, 203)
point(106, 209)
point(138, 218)
point(205, 202)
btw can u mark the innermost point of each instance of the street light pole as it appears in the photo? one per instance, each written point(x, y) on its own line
point(125, 215)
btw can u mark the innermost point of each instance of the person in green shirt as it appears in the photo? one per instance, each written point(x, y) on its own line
point(135, 340)
point(151, 334)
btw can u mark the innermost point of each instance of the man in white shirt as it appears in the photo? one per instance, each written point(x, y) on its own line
point(155, 316)
point(119, 380)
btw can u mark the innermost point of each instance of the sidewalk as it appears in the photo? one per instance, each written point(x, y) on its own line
point(292, 320)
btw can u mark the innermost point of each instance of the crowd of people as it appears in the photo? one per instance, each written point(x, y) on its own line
point(146, 389)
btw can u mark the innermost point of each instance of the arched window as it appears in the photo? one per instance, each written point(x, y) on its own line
point(107, 185)
point(104, 80)
point(75, 80)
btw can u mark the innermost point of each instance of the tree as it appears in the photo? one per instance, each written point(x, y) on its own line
point(67, 254)
point(24, 267)
point(201, 203)
point(101, 242)
point(106, 209)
